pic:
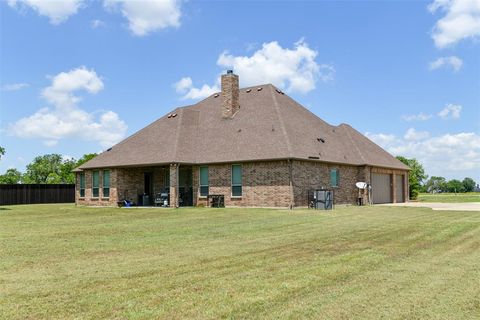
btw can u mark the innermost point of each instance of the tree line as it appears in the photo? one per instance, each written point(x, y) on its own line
point(46, 169)
point(420, 182)
point(53, 168)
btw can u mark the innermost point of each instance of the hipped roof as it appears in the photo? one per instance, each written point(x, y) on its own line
point(269, 126)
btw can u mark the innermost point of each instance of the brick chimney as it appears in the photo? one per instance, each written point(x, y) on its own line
point(230, 94)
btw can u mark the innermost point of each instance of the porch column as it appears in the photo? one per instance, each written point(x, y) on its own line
point(394, 187)
point(290, 183)
point(406, 187)
point(174, 185)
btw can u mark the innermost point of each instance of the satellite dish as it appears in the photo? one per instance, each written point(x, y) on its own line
point(361, 185)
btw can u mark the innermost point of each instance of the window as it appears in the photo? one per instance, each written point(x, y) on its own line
point(203, 181)
point(82, 185)
point(334, 177)
point(95, 183)
point(236, 180)
point(106, 183)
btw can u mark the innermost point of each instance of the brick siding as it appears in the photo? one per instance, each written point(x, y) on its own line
point(264, 184)
point(310, 175)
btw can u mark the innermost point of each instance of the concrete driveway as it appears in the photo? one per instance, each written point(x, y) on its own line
point(464, 206)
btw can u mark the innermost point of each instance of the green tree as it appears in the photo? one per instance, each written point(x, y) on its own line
point(86, 157)
point(416, 176)
point(43, 167)
point(11, 176)
point(53, 168)
point(468, 184)
point(2, 152)
point(455, 185)
point(66, 174)
point(436, 184)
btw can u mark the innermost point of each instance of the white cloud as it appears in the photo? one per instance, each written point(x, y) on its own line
point(414, 135)
point(461, 21)
point(56, 11)
point(186, 88)
point(294, 70)
point(146, 16)
point(95, 24)
point(61, 92)
point(50, 143)
point(381, 139)
point(417, 117)
point(451, 111)
point(66, 119)
point(14, 86)
point(453, 62)
point(450, 155)
point(183, 85)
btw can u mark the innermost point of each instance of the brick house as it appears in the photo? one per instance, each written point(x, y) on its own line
point(256, 146)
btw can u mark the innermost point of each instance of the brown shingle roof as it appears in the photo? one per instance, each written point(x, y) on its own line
point(269, 125)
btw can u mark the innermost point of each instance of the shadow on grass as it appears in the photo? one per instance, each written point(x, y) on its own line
point(5, 208)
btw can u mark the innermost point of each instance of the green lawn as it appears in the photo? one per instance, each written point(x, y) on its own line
point(449, 197)
point(62, 262)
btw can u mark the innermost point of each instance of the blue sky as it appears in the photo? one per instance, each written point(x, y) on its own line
point(78, 76)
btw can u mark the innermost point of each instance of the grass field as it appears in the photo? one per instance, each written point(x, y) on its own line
point(62, 262)
point(449, 197)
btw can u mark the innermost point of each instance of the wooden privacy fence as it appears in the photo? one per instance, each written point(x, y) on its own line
point(36, 193)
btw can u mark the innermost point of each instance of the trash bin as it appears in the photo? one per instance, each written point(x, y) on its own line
point(146, 200)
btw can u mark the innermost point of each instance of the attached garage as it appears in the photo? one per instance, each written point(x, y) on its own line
point(399, 188)
point(381, 188)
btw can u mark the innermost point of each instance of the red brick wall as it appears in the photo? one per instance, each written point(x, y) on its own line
point(264, 184)
point(310, 175)
point(125, 183)
point(101, 200)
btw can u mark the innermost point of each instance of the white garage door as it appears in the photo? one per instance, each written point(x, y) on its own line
point(399, 188)
point(381, 187)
